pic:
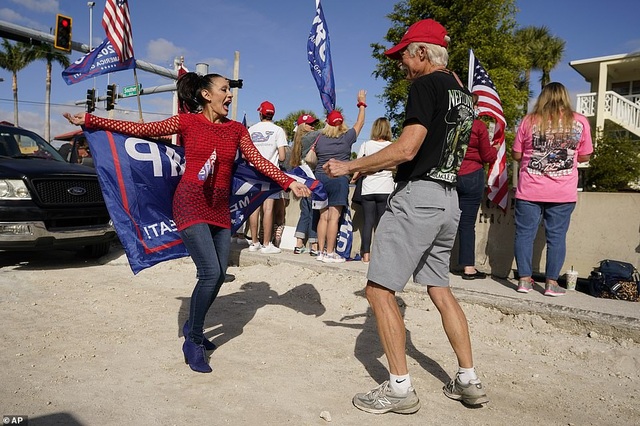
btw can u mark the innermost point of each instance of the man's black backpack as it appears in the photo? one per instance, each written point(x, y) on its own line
point(615, 280)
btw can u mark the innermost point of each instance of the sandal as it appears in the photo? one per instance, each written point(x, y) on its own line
point(277, 239)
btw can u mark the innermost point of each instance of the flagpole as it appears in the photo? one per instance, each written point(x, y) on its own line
point(470, 74)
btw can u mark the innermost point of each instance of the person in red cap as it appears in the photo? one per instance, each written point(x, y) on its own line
point(335, 142)
point(417, 231)
point(271, 141)
point(304, 137)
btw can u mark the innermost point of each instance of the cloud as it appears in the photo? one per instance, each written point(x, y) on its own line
point(12, 16)
point(162, 51)
point(216, 66)
point(43, 6)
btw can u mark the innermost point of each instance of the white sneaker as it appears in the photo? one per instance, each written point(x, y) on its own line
point(333, 258)
point(270, 249)
point(320, 256)
point(255, 246)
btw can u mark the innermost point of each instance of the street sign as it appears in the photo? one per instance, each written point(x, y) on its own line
point(130, 90)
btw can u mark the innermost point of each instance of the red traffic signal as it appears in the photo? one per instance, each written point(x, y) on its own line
point(62, 37)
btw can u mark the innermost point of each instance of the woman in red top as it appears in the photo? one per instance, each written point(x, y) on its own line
point(470, 186)
point(201, 200)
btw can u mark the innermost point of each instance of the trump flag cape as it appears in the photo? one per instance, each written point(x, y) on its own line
point(138, 178)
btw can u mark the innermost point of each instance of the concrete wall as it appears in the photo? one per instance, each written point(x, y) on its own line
point(603, 226)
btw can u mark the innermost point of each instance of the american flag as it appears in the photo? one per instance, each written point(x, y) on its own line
point(117, 26)
point(489, 104)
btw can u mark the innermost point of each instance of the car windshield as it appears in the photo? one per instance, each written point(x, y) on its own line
point(21, 143)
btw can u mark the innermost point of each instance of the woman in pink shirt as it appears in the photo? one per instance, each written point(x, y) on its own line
point(549, 144)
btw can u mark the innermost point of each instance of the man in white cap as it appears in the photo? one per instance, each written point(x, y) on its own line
point(417, 231)
point(271, 141)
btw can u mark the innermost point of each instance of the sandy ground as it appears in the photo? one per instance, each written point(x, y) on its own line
point(89, 343)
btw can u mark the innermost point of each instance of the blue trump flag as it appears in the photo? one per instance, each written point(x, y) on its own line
point(319, 55)
point(138, 178)
point(101, 60)
point(345, 234)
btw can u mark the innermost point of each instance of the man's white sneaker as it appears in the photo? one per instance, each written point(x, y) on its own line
point(255, 246)
point(270, 249)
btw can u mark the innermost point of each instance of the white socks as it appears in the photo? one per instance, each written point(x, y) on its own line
point(400, 384)
point(465, 375)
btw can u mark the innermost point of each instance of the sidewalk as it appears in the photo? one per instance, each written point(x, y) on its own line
point(576, 311)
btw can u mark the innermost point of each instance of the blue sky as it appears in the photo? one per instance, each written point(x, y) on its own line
point(271, 38)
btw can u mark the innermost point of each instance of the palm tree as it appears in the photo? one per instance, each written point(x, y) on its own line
point(529, 40)
point(49, 54)
point(14, 58)
point(550, 57)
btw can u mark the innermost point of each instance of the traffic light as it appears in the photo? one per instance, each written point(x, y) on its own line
point(111, 96)
point(62, 38)
point(91, 100)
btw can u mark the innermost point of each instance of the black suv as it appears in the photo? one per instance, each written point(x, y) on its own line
point(46, 202)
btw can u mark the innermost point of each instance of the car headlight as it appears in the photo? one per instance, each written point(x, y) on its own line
point(13, 189)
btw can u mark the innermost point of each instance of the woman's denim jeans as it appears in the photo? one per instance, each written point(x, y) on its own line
point(470, 190)
point(304, 227)
point(208, 246)
point(556, 223)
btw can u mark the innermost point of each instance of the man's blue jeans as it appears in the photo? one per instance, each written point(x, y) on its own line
point(556, 223)
point(208, 246)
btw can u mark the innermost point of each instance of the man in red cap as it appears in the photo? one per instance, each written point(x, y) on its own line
point(417, 231)
point(271, 141)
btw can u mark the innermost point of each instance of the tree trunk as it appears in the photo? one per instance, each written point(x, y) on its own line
point(14, 87)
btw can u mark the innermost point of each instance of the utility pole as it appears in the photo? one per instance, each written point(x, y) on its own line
point(236, 74)
point(91, 4)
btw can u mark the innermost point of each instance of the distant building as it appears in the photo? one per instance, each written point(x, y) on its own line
point(615, 92)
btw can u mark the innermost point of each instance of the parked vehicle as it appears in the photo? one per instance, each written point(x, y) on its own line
point(46, 202)
point(73, 147)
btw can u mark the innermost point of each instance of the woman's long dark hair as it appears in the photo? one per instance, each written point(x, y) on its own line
point(189, 88)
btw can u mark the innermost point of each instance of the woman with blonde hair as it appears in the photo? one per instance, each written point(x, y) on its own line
point(549, 144)
point(335, 142)
point(376, 187)
point(305, 136)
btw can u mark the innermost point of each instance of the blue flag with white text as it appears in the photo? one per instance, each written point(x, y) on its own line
point(319, 55)
point(138, 178)
point(101, 60)
point(345, 234)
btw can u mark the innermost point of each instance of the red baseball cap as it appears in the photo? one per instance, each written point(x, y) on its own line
point(267, 108)
point(334, 118)
point(425, 31)
point(307, 118)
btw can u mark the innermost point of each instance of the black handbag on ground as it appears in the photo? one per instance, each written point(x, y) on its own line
point(614, 279)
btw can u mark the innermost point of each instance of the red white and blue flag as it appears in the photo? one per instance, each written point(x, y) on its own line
point(101, 60)
point(138, 178)
point(117, 26)
point(489, 104)
point(319, 55)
